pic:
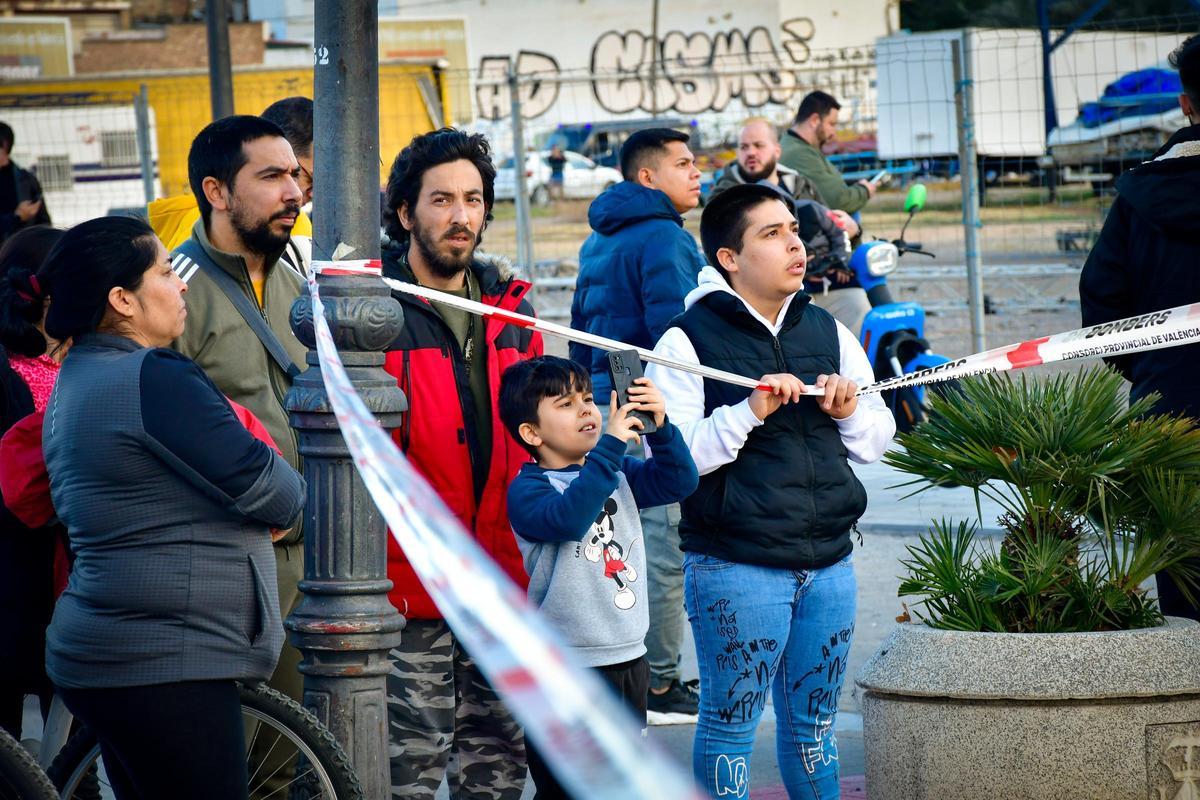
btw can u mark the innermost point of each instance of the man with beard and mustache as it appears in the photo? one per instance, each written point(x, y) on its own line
point(444, 720)
point(758, 160)
point(823, 229)
point(174, 217)
point(244, 177)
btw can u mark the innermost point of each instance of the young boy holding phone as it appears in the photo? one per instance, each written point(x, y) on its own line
point(575, 514)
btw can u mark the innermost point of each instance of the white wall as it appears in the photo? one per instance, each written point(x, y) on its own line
point(767, 39)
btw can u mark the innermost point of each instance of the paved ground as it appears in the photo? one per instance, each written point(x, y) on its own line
point(893, 521)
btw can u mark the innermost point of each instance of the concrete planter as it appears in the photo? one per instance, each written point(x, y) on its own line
point(1101, 716)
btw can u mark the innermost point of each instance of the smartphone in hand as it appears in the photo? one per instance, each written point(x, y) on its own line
point(625, 367)
point(881, 178)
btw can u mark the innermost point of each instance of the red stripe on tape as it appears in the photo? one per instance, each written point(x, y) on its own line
point(514, 319)
point(516, 679)
point(1026, 353)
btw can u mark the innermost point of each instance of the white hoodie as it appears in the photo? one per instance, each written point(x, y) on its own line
point(715, 440)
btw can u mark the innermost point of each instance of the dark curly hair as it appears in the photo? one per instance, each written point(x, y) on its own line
point(425, 152)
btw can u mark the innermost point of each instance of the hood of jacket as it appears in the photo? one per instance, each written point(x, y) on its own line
point(710, 281)
point(626, 203)
point(1163, 190)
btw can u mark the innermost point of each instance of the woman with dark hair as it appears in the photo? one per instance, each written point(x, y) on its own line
point(169, 504)
point(28, 368)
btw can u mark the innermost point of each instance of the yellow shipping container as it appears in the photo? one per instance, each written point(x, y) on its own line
point(412, 100)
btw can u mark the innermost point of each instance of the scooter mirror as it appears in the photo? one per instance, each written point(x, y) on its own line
point(915, 200)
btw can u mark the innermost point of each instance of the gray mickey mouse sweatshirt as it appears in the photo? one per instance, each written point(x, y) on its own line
point(580, 535)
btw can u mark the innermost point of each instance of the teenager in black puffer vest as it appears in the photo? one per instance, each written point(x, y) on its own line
point(768, 578)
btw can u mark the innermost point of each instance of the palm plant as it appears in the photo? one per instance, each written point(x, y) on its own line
point(1097, 498)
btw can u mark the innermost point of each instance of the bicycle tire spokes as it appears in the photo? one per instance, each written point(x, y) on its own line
point(301, 745)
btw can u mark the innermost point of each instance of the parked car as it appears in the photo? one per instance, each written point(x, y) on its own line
point(601, 141)
point(582, 177)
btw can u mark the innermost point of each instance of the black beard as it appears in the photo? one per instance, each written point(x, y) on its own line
point(259, 238)
point(443, 266)
point(755, 177)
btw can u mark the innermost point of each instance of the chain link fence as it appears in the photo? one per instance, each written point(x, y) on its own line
point(1018, 187)
point(964, 112)
point(110, 144)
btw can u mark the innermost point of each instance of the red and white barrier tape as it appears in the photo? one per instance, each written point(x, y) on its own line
point(1167, 328)
point(583, 731)
point(581, 337)
point(365, 267)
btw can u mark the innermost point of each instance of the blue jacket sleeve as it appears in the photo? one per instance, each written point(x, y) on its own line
point(540, 513)
point(579, 353)
point(669, 476)
point(669, 269)
point(193, 428)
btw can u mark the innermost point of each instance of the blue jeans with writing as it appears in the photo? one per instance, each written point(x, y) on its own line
point(761, 630)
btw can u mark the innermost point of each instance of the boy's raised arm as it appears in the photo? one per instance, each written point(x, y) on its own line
point(668, 476)
point(539, 512)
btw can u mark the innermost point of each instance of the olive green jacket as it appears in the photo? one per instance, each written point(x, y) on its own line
point(217, 338)
point(810, 162)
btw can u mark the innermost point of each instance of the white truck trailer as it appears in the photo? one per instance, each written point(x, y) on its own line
point(917, 116)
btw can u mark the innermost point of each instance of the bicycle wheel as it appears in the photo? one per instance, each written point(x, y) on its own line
point(20, 776)
point(322, 771)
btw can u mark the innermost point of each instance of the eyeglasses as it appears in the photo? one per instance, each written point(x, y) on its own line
point(307, 175)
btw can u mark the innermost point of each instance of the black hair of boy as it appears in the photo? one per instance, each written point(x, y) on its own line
point(526, 383)
point(726, 218)
point(217, 152)
point(643, 147)
point(7, 137)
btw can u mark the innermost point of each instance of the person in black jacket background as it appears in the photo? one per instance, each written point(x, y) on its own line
point(1147, 259)
point(21, 201)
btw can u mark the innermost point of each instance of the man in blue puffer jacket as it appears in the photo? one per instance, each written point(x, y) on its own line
point(634, 271)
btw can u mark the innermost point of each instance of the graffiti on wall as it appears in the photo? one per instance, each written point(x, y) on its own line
point(695, 72)
point(537, 96)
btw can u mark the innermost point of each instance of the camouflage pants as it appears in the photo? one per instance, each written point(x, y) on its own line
point(445, 720)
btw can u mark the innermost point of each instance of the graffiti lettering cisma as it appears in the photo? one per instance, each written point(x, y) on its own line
point(696, 72)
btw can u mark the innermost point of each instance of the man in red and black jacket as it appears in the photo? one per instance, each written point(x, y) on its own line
point(449, 362)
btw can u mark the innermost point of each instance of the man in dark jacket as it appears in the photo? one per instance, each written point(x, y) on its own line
point(1146, 260)
point(634, 271)
point(444, 720)
point(639, 262)
point(21, 201)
